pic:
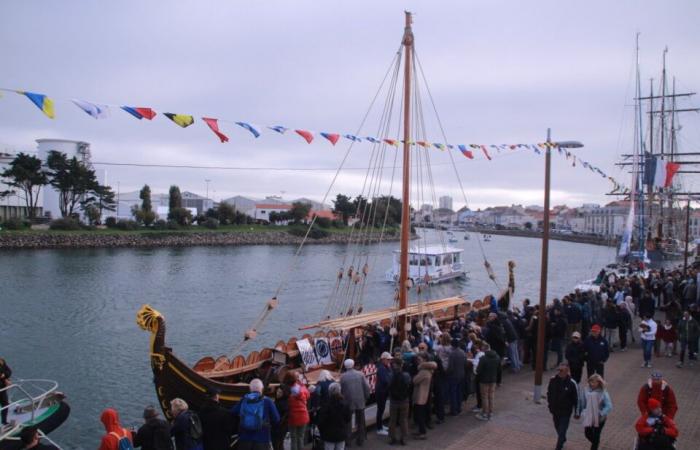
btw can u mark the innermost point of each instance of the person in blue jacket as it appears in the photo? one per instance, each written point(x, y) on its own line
point(255, 436)
point(597, 352)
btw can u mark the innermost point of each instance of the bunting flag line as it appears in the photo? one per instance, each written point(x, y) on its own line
point(352, 137)
point(93, 109)
point(214, 126)
point(439, 146)
point(468, 153)
point(307, 135)
point(41, 101)
point(254, 131)
point(278, 128)
point(373, 140)
point(332, 137)
point(140, 113)
point(181, 119)
point(423, 144)
point(393, 142)
point(486, 152)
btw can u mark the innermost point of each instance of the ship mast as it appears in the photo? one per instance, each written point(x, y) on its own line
point(405, 205)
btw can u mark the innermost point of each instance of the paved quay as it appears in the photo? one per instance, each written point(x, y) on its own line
point(519, 423)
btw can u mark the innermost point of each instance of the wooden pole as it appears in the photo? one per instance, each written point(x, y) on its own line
point(541, 314)
point(405, 203)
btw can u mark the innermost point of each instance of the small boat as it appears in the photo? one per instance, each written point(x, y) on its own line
point(611, 272)
point(452, 239)
point(486, 237)
point(33, 403)
point(466, 236)
point(429, 265)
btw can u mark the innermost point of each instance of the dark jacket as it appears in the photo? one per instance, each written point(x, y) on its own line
point(333, 420)
point(575, 354)
point(495, 336)
point(489, 367)
point(383, 379)
point(5, 373)
point(610, 317)
point(573, 313)
point(562, 396)
point(557, 327)
point(154, 435)
point(217, 426)
point(597, 350)
point(181, 432)
point(457, 363)
point(646, 306)
point(400, 387)
point(271, 418)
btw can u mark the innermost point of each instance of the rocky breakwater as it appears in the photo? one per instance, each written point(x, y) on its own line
point(165, 239)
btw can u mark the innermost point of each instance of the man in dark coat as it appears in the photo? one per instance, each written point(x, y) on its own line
point(217, 423)
point(557, 331)
point(562, 398)
point(5, 374)
point(154, 434)
point(576, 356)
point(597, 352)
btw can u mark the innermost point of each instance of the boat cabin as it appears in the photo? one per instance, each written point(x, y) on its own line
point(429, 265)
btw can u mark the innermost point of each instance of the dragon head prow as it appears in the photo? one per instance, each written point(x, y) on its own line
point(147, 318)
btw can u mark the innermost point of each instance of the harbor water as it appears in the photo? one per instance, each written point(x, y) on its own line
point(69, 315)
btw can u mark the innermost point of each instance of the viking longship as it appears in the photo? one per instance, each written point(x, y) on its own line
point(339, 331)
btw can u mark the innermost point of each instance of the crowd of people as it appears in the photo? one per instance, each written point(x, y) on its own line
point(441, 371)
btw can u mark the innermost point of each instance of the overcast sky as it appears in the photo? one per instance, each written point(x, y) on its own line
point(500, 72)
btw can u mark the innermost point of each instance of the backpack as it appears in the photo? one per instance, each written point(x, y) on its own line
point(195, 430)
point(252, 413)
point(123, 442)
point(399, 387)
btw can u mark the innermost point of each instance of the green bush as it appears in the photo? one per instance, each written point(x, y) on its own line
point(160, 224)
point(65, 224)
point(315, 233)
point(15, 223)
point(127, 225)
point(210, 223)
point(111, 222)
point(182, 216)
point(323, 222)
point(339, 224)
point(172, 225)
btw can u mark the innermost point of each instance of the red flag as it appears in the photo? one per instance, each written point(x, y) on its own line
point(423, 144)
point(333, 137)
point(214, 126)
point(307, 135)
point(671, 169)
point(486, 152)
point(147, 113)
point(392, 142)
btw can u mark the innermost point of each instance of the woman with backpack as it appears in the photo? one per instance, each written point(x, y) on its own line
point(116, 437)
point(298, 410)
point(333, 420)
point(186, 429)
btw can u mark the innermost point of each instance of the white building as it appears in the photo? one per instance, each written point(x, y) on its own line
point(445, 202)
point(608, 220)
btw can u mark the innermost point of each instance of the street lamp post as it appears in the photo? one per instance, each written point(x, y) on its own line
point(541, 314)
point(206, 200)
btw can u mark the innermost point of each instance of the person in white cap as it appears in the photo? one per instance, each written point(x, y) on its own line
point(381, 390)
point(356, 392)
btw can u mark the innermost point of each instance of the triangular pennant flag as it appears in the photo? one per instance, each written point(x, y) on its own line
point(513, 147)
point(93, 109)
point(423, 144)
point(140, 113)
point(41, 101)
point(439, 146)
point(332, 137)
point(486, 152)
point(279, 128)
point(465, 152)
point(352, 137)
point(393, 142)
point(214, 126)
point(181, 119)
point(450, 146)
point(307, 135)
point(536, 149)
point(254, 131)
point(372, 140)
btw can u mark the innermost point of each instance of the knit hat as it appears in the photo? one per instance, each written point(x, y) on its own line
point(656, 376)
point(653, 403)
point(575, 334)
point(349, 363)
point(385, 355)
point(595, 328)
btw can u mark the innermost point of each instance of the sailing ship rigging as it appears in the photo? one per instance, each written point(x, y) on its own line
point(339, 330)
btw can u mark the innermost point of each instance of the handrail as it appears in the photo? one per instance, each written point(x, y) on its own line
point(35, 402)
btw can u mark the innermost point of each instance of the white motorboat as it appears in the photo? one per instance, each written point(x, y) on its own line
point(429, 265)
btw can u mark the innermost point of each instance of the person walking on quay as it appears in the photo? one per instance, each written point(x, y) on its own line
point(187, 428)
point(217, 423)
point(32, 441)
point(154, 434)
point(298, 418)
point(279, 431)
point(356, 392)
point(399, 392)
point(655, 430)
point(595, 406)
point(597, 352)
point(256, 414)
point(562, 400)
point(611, 322)
point(624, 325)
point(647, 335)
point(333, 419)
point(5, 374)
point(421, 393)
point(688, 334)
point(557, 332)
point(115, 434)
point(658, 389)
point(488, 373)
point(456, 372)
point(576, 356)
point(381, 390)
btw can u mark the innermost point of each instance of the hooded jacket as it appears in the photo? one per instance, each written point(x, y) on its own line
point(113, 430)
point(489, 367)
point(154, 435)
point(421, 382)
point(645, 430)
point(661, 392)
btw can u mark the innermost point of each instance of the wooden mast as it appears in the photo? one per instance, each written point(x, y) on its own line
point(405, 203)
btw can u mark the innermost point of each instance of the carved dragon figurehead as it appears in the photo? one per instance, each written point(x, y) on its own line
point(148, 319)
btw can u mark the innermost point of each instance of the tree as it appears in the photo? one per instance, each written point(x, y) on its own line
point(182, 216)
point(175, 198)
point(226, 213)
point(344, 206)
point(299, 211)
point(73, 181)
point(145, 196)
point(93, 214)
point(26, 174)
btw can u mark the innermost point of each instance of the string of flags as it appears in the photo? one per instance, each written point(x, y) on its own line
point(102, 111)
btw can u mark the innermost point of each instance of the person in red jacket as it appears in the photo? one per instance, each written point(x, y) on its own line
point(658, 389)
point(298, 417)
point(655, 430)
point(114, 432)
